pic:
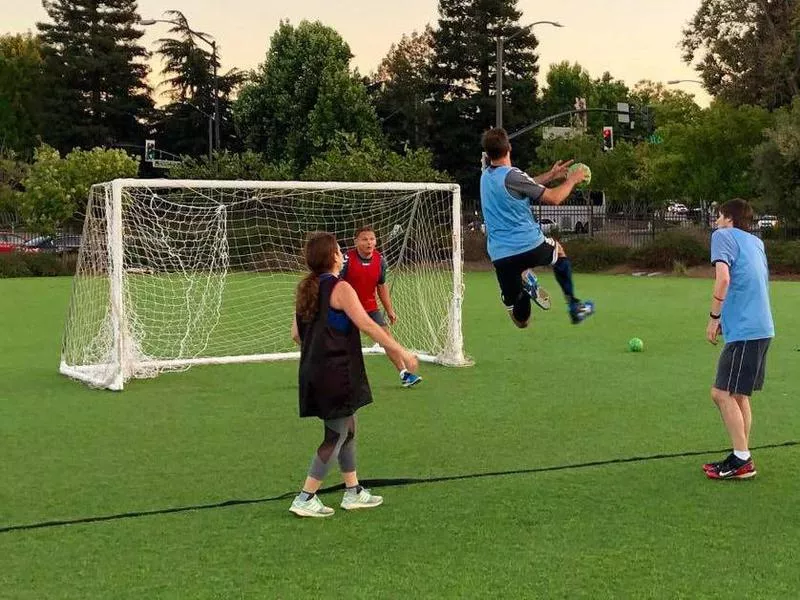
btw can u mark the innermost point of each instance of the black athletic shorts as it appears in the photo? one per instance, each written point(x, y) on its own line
point(742, 366)
point(377, 316)
point(509, 269)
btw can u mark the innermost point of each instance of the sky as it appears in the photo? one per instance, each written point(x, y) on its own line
point(632, 39)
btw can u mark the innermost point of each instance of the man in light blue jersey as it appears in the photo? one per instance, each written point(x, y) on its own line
point(740, 309)
point(515, 240)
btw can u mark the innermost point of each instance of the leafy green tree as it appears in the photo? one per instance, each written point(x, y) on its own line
point(748, 51)
point(21, 92)
point(57, 189)
point(97, 94)
point(248, 166)
point(182, 125)
point(565, 82)
point(668, 105)
point(777, 165)
point(303, 96)
point(715, 152)
point(366, 160)
point(13, 172)
point(403, 88)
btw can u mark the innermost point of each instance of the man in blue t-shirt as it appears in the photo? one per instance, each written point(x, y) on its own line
point(740, 309)
point(515, 240)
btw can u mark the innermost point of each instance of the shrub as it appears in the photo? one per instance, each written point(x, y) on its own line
point(36, 264)
point(687, 247)
point(12, 264)
point(588, 254)
point(475, 247)
point(783, 257)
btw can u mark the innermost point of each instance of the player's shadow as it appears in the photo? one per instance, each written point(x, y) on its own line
point(376, 483)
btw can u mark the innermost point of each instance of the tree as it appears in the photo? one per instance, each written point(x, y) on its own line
point(714, 153)
point(402, 86)
point(21, 92)
point(748, 50)
point(57, 189)
point(303, 96)
point(565, 82)
point(777, 165)
point(366, 160)
point(182, 125)
point(13, 172)
point(247, 166)
point(668, 105)
point(464, 67)
point(97, 94)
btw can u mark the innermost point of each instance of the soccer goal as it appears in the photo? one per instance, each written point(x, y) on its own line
point(176, 273)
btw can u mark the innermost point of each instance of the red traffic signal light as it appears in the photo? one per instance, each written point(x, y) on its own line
point(608, 138)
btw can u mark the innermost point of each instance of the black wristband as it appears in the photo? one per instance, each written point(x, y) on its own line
point(713, 316)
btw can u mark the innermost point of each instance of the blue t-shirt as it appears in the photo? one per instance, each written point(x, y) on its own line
point(746, 313)
point(510, 226)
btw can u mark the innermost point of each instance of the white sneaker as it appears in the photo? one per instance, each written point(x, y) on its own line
point(363, 499)
point(310, 508)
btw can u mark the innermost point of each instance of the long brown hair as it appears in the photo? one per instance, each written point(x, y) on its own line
point(320, 253)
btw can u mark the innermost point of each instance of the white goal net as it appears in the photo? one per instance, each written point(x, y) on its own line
point(175, 273)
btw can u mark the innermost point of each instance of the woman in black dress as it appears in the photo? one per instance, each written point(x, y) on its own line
point(333, 380)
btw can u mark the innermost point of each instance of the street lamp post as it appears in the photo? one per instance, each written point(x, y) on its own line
point(500, 45)
point(213, 44)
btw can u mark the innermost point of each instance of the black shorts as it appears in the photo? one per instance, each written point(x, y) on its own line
point(742, 366)
point(509, 269)
point(377, 316)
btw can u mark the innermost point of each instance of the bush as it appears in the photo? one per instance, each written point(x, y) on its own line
point(783, 257)
point(475, 247)
point(686, 247)
point(590, 255)
point(36, 264)
point(12, 264)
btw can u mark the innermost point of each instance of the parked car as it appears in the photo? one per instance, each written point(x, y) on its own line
point(10, 242)
point(766, 222)
point(49, 243)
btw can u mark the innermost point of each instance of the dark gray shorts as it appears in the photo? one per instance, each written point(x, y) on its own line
point(378, 317)
point(742, 366)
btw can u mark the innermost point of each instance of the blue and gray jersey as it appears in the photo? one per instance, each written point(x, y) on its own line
point(506, 193)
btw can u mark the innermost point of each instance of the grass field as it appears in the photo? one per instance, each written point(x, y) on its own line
point(550, 396)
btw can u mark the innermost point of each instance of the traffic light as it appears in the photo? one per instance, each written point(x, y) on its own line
point(608, 138)
point(149, 150)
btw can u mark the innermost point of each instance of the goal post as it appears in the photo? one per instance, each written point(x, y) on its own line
point(177, 273)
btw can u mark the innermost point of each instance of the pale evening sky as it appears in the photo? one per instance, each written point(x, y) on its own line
point(633, 39)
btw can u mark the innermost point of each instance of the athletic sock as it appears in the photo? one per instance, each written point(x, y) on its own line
point(742, 454)
point(562, 270)
point(306, 496)
point(354, 490)
point(403, 373)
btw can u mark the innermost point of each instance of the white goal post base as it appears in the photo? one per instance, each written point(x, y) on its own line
point(90, 374)
point(177, 273)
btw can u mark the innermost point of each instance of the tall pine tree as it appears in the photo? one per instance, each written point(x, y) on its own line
point(96, 74)
point(464, 66)
point(181, 126)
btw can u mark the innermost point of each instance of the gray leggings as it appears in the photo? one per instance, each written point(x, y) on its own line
point(339, 442)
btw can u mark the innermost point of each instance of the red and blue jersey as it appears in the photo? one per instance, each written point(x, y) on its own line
point(365, 275)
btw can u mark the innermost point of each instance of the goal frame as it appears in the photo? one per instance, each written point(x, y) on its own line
point(453, 355)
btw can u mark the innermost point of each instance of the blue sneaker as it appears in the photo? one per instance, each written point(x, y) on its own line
point(409, 379)
point(531, 285)
point(580, 311)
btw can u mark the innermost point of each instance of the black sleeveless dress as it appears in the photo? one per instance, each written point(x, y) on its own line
point(332, 377)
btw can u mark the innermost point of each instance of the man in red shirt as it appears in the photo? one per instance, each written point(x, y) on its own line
point(365, 270)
